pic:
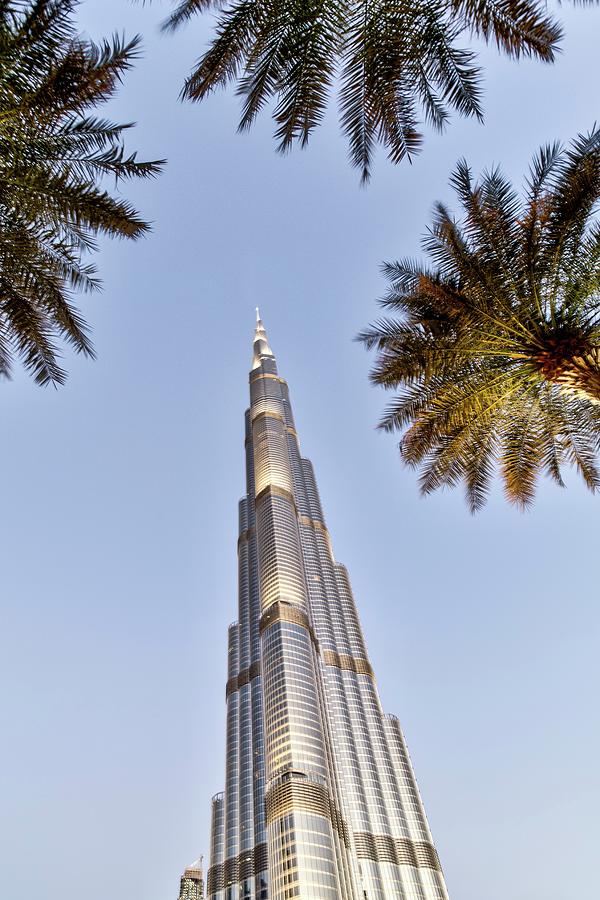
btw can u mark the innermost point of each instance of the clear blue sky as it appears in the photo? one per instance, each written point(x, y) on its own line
point(119, 513)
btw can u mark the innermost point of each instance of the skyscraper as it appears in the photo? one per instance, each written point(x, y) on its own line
point(320, 798)
point(191, 886)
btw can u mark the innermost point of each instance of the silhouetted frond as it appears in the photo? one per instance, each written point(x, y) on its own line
point(399, 64)
point(55, 156)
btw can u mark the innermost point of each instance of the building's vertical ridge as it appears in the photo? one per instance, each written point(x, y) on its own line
point(320, 798)
point(215, 882)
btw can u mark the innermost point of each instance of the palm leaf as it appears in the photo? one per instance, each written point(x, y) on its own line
point(55, 156)
point(494, 352)
point(398, 63)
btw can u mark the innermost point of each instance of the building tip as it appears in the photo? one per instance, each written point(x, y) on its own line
point(195, 870)
point(261, 341)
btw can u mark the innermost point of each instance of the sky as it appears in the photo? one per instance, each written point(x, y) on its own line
point(119, 511)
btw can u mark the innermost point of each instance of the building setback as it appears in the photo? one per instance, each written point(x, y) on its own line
point(320, 798)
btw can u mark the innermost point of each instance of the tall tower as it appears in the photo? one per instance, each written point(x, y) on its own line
point(320, 799)
point(191, 886)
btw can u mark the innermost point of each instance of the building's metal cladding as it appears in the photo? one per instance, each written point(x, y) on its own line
point(320, 799)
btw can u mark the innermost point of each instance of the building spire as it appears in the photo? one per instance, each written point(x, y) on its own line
point(261, 342)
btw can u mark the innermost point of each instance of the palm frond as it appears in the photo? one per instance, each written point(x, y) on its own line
point(186, 10)
point(398, 63)
point(226, 56)
point(519, 456)
point(494, 351)
point(55, 157)
point(517, 27)
point(309, 50)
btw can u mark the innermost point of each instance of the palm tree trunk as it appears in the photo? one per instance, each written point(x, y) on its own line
point(581, 376)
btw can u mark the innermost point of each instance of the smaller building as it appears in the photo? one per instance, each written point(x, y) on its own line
point(191, 886)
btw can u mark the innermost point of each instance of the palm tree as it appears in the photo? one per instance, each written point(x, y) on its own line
point(496, 350)
point(394, 62)
point(54, 155)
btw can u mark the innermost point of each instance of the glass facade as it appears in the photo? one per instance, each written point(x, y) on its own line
point(320, 798)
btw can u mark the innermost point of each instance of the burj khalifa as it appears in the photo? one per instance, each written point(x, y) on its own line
point(320, 799)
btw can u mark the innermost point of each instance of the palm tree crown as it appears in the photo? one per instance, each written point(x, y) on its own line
point(497, 348)
point(394, 62)
point(53, 157)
